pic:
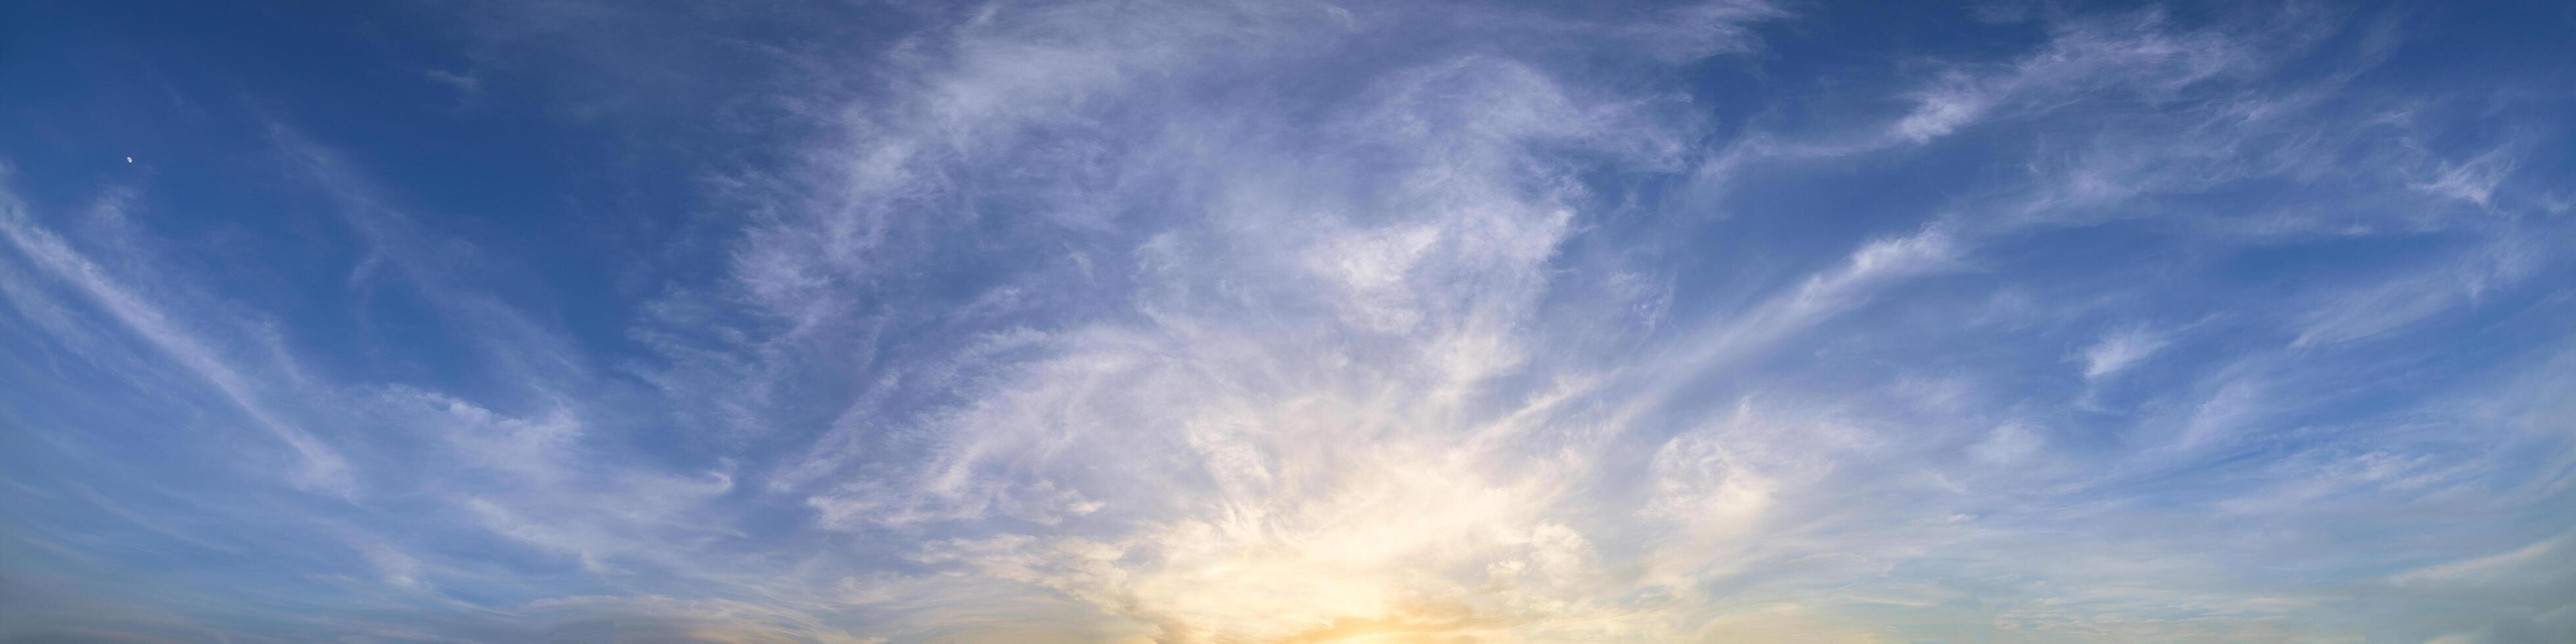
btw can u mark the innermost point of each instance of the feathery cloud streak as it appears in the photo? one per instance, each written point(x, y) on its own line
point(1300, 322)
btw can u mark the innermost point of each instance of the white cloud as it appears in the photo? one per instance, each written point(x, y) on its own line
point(2118, 350)
point(318, 466)
point(2010, 442)
point(1206, 322)
point(2372, 310)
point(2475, 180)
point(2135, 53)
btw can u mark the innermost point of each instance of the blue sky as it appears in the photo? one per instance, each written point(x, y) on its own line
point(1208, 321)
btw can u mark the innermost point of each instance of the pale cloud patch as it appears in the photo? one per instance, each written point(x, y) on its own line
point(2140, 53)
point(2119, 350)
point(319, 466)
point(2474, 180)
point(2376, 309)
point(2008, 443)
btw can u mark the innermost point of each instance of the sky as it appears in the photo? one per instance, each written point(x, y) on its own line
point(1230, 322)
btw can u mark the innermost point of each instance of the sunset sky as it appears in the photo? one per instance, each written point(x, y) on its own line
point(1206, 321)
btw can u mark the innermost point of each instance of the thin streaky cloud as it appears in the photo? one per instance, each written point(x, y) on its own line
point(1235, 321)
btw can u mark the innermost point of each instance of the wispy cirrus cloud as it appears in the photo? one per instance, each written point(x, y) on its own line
point(1230, 322)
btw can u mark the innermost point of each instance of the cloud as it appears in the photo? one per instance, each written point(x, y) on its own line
point(466, 84)
point(2475, 180)
point(318, 465)
point(2375, 309)
point(2138, 52)
point(2119, 350)
point(1254, 321)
